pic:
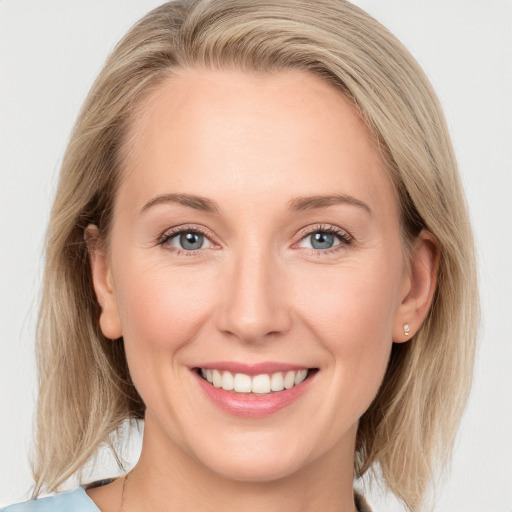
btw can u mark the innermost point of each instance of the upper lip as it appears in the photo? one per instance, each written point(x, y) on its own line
point(252, 368)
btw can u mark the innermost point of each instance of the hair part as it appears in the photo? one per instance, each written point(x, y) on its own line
point(85, 388)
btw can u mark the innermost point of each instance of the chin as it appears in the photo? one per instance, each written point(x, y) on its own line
point(255, 469)
point(256, 458)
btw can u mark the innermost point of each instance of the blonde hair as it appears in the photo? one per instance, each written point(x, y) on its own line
point(85, 387)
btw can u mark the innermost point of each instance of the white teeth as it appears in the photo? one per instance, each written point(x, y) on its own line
point(242, 383)
point(277, 382)
point(228, 381)
point(301, 375)
point(216, 378)
point(289, 380)
point(260, 384)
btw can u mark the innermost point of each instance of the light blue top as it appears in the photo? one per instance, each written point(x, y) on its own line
point(71, 501)
point(79, 501)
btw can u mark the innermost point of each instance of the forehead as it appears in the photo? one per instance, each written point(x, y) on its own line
point(232, 133)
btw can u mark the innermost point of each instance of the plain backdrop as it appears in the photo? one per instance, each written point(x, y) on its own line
point(50, 52)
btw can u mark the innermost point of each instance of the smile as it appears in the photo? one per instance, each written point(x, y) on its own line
point(253, 390)
point(261, 384)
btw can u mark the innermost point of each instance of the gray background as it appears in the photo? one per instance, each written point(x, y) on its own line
point(51, 50)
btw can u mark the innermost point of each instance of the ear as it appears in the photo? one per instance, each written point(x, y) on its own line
point(110, 323)
point(418, 288)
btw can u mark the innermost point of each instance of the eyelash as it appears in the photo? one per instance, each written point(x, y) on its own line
point(169, 235)
point(345, 239)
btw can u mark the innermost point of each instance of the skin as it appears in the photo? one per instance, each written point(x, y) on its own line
point(257, 290)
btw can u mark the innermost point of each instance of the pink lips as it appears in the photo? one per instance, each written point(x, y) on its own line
point(252, 405)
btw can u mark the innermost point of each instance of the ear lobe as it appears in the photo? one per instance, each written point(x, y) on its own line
point(110, 323)
point(419, 287)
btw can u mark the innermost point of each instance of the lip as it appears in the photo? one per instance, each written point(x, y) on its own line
point(253, 405)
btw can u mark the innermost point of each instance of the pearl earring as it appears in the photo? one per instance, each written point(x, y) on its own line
point(407, 329)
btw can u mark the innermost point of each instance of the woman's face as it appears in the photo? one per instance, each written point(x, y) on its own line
point(255, 235)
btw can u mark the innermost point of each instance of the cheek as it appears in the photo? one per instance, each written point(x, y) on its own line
point(162, 308)
point(352, 303)
point(351, 313)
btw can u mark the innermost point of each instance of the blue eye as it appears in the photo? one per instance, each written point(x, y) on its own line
point(325, 239)
point(187, 240)
point(191, 241)
point(322, 240)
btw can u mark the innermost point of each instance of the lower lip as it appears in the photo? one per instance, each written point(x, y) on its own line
point(253, 405)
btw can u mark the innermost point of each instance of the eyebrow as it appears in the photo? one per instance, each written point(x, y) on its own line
point(192, 201)
point(298, 204)
point(314, 202)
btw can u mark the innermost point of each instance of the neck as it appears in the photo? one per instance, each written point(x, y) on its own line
point(171, 479)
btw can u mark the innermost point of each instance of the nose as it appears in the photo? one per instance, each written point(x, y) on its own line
point(254, 303)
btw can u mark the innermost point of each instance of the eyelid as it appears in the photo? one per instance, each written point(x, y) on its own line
point(170, 233)
point(344, 236)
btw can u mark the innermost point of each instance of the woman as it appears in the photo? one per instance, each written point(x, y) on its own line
point(259, 245)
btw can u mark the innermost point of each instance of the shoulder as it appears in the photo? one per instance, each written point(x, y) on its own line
point(71, 501)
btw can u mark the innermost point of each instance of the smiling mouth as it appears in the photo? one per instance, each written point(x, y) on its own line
point(261, 384)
